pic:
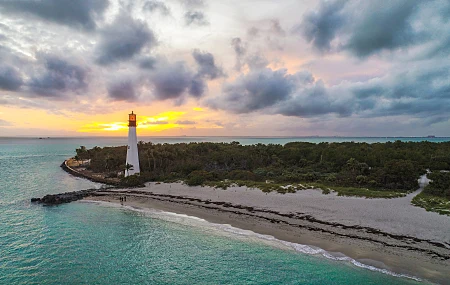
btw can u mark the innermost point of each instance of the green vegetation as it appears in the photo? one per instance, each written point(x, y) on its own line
point(379, 170)
point(439, 185)
point(436, 195)
point(432, 203)
point(358, 191)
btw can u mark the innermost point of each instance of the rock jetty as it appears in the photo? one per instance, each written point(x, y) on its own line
point(56, 199)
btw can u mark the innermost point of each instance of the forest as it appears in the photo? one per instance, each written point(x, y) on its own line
point(392, 166)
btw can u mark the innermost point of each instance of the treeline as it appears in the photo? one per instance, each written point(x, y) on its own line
point(439, 185)
point(379, 166)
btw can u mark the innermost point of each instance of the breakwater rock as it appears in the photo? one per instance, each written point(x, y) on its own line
point(56, 199)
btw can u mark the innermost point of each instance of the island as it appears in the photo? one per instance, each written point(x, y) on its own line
point(341, 200)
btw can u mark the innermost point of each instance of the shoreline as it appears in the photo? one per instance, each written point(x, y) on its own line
point(92, 178)
point(372, 265)
point(402, 254)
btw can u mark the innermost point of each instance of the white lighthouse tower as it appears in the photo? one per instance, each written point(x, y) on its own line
point(132, 165)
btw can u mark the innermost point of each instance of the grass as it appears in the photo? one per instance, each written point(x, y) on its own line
point(432, 203)
point(358, 192)
point(294, 187)
point(263, 186)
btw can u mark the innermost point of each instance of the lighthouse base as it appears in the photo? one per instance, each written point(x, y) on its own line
point(132, 153)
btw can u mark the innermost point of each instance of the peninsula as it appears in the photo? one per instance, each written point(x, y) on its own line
point(315, 195)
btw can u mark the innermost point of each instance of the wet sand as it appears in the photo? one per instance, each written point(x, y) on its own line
point(386, 233)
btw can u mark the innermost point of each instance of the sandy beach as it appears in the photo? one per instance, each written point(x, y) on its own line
point(386, 233)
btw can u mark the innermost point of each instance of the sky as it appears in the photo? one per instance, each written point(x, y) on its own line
point(225, 68)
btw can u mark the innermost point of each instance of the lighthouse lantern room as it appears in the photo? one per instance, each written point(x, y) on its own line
point(132, 163)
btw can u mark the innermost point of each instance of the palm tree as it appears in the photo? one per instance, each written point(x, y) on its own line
point(128, 167)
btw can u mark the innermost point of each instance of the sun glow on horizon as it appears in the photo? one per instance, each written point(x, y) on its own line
point(163, 121)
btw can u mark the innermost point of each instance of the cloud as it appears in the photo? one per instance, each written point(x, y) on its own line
point(239, 50)
point(10, 78)
point(174, 80)
point(422, 91)
point(147, 63)
point(256, 61)
point(197, 87)
point(4, 123)
point(123, 39)
point(320, 27)
point(364, 28)
point(383, 27)
point(155, 123)
point(122, 91)
point(77, 14)
point(195, 18)
point(276, 28)
point(192, 4)
point(206, 65)
point(155, 5)
point(313, 101)
point(60, 77)
point(253, 32)
point(185, 122)
point(255, 91)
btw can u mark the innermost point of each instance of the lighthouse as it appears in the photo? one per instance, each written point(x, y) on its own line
point(132, 164)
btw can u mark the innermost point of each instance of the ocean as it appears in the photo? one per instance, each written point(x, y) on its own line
point(91, 243)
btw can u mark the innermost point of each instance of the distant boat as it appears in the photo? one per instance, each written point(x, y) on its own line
point(431, 136)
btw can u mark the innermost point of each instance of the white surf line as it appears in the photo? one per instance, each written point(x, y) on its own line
point(302, 248)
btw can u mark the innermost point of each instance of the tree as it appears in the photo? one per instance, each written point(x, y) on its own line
point(128, 167)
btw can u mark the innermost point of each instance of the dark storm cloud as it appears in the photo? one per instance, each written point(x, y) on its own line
point(195, 18)
point(78, 14)
point(365, 27)
point(122, 91)
point(313, 101)
point(155, 5)
point(123, 39)
point(185, 122)
point(60, 77)
point(173, 80)
point(421, 92)
point(206, 65)
point(197, 87)
point(239, 50)
point(256, 90)
point(147, 63)
point(320, 27)
point(436, 120)
point(10, 78)
point(383, 27)
point(280, 93)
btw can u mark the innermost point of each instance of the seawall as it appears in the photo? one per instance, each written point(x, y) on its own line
point(74, 172)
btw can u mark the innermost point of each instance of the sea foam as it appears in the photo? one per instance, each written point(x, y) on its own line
point(229, 230)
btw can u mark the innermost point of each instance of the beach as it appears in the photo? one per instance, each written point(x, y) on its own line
point(386, 233)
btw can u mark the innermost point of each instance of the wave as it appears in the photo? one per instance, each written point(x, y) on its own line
point(226, 228)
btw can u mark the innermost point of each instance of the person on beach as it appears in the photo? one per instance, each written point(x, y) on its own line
point(125, 198)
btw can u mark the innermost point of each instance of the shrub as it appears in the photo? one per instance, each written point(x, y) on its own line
point(198, 177)
point(241, 175)
point(132, 181)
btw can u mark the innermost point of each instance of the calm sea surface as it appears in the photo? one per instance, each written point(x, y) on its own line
point(86, 243)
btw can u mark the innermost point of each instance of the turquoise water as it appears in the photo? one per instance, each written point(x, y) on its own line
point(86, 243)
